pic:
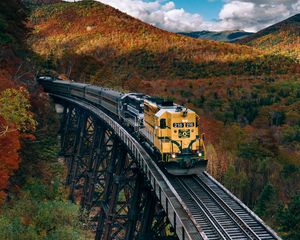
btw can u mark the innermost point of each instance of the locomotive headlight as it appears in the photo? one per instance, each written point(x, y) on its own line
point(173, 155)
point(200, 154)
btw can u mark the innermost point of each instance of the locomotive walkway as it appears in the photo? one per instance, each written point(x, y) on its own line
point(123, 194)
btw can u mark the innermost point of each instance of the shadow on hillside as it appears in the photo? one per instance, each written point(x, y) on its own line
point(105, 66)
point(19, 64)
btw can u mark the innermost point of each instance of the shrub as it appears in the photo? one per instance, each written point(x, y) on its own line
point(290, 134)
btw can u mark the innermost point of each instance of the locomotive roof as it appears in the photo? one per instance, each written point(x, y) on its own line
point(160, 102)
point(136, 96)
point(105, 90)
point(172, 110)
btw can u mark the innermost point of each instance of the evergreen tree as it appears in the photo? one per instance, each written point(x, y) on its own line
point(289, 219)
point(263, 200)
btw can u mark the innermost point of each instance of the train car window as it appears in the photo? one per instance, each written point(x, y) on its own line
point(163, 123)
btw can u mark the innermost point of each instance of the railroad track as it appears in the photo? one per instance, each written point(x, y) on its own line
point(220, 215)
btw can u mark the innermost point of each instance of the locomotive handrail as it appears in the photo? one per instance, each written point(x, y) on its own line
point(178, 213)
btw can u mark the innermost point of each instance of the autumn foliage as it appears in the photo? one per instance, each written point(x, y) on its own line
point(9, 158)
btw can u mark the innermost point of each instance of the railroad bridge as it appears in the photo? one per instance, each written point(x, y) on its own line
point(123, 194)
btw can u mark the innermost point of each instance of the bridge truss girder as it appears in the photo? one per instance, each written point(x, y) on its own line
point(104, 178)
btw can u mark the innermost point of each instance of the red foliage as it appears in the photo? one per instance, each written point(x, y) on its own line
point(29, 137)
point(9, 158)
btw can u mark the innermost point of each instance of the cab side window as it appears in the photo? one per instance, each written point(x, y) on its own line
point(163, 123)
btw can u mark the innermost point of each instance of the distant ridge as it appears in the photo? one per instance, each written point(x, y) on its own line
point(291, 24)
point(282, 37)
point(224, 36)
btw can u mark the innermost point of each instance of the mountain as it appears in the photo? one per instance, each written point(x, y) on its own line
point(90, 41)
point(224, 36)
point(283, 38)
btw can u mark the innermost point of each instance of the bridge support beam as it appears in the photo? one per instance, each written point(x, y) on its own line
point(103, 176)
point(92, 175)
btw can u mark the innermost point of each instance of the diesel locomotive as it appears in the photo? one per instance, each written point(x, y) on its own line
point(169, 131)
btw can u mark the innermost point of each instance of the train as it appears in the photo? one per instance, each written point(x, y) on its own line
point(170, 132)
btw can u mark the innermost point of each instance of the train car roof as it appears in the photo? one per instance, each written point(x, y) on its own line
point(112, 92)
point(61, 82)
point(93, 87)
point(79, 84)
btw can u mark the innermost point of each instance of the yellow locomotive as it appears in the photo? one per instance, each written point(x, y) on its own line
point(174, 132)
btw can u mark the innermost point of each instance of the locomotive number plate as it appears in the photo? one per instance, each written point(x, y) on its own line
point(190, 125)
point(178, 125)
point(184, 133)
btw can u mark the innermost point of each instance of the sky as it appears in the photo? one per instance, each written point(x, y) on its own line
point(212, 15)
point(209, 9)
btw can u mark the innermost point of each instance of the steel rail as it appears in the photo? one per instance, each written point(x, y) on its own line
point(198, 207)
point(222, 219)
point(250, 221)
point(245, 229)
